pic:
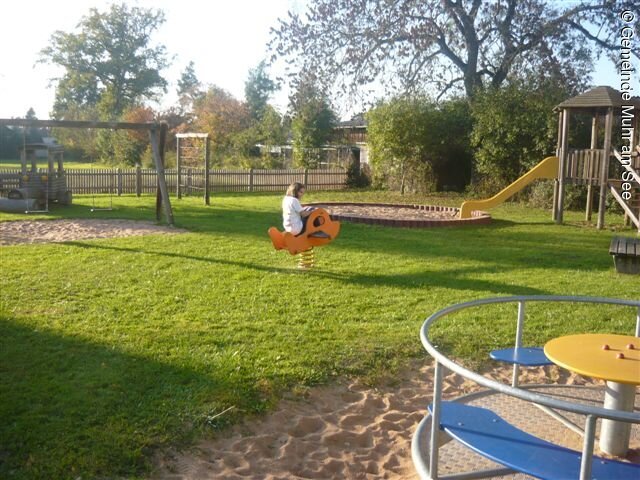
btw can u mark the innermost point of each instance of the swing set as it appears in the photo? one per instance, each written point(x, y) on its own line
point(52, 185)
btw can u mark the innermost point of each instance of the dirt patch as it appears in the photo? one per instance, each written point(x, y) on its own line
point(48, 231)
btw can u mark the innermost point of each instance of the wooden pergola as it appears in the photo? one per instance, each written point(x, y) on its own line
point(591, 166)
point(157, 136)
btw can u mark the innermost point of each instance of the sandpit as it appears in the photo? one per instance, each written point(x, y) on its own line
point(344, 431)
point(401, 215)
point(47, 231)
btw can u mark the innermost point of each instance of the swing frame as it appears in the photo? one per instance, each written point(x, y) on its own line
point(157, 137)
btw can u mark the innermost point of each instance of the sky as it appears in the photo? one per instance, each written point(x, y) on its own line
point(224, 38)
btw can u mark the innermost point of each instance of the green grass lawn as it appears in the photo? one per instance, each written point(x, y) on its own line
point(68, 164)
point(112, 348)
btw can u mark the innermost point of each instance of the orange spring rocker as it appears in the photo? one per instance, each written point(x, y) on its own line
point(320, 230)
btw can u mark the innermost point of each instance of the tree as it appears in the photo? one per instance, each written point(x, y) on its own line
point(464, 44)
point(514, 129)
point(312, 122)
point(222, 116)
point(189, 88)
point(257, 90)
point(109, 62)
point(125, 147)
point(417, 144)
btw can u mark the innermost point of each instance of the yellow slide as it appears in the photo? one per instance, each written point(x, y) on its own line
point(547, 168)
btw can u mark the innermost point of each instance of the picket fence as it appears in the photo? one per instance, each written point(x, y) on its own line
point(120, 181)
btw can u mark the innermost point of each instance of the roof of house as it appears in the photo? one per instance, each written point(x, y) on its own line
point(357, 121)
point(600, 97)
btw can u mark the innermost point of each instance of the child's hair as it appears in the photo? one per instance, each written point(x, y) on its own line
point(294, 189)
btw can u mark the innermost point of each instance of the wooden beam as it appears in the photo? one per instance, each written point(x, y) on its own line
point(161, 146)
point(23, 122)
point(206, 170)
point(604, 171)
point(154, 135)
point(591, 159)
point(178, 167)
point(564, 153)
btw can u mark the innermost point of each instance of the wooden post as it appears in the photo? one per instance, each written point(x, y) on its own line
point(138, 180)
point(554, 205)
point(251, 179)
point(604, 171)
point(306, 177)
point(564, 152)
point(119, 173)
point(162, 185)
point(206, 171)
point(592, 159)
point(23, 160)
point(178, 164)
point(162, 140)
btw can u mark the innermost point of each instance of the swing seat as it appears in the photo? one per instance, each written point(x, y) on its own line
point(320, 231)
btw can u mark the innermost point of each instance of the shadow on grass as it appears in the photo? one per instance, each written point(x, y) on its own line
point(504, 244)
point(456, 279)
point(74, 409)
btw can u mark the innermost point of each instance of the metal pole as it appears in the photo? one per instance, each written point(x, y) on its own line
point(614, 435)
point(587, 447)
point(520, 325)
point(435, 422)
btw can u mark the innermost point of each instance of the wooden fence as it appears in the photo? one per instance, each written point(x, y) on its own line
point(143, 180)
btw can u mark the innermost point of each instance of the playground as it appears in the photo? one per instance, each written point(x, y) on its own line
point(164, 336)
point(160, 340)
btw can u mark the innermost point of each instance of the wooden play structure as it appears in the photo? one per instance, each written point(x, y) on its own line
point(192, 150)
point(157, 137)
point(593, 166)
point(320, 230)
point(38, 187)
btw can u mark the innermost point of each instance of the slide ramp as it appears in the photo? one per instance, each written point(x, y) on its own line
point(547, 168)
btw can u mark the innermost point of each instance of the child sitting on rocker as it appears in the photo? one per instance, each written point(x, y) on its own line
point(294, 216)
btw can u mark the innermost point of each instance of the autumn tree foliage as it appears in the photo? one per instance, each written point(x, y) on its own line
point(223, 117)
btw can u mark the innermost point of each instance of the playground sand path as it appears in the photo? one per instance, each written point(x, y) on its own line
point(47, 231)
point(345, 431)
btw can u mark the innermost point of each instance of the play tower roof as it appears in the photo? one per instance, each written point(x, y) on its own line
point(600, 97)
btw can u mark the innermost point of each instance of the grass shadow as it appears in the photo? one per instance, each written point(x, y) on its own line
point(458, 279)
point(97, 411)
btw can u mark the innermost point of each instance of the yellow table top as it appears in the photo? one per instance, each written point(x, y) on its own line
point(586, 354)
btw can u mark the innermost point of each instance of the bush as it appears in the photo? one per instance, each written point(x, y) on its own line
point(513, 129)
point(417, 145)
point(540, 195)
point(358, 176)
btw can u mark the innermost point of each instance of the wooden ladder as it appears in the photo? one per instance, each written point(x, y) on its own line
point(631, 206)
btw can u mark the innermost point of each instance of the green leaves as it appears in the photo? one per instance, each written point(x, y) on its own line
point(110, 61)
point(419, 145)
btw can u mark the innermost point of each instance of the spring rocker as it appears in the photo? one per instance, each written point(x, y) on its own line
point(320, 230)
